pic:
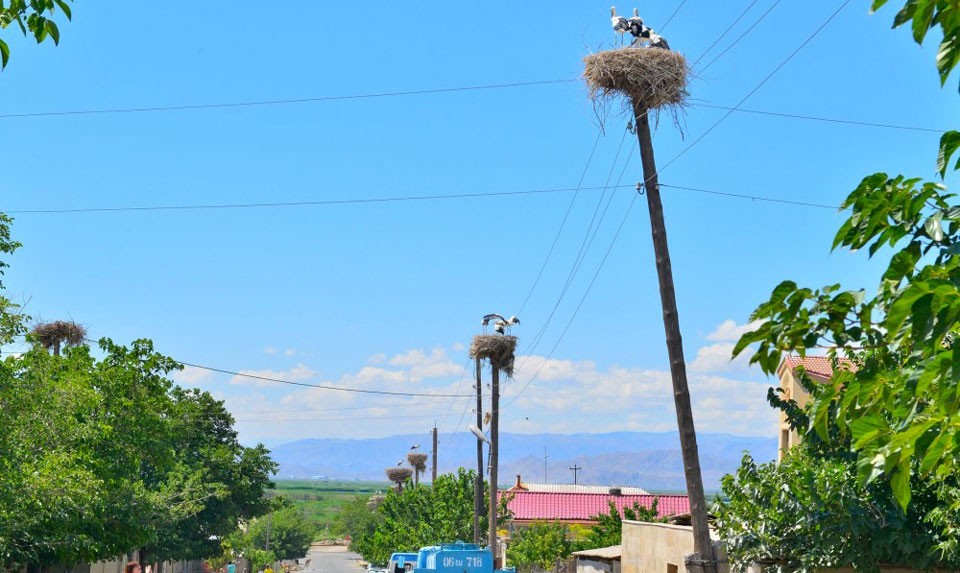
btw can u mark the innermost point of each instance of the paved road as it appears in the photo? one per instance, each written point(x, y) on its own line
point(327, 561)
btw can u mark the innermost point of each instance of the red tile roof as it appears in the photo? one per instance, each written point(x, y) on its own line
point(547, 506)
point(819, 366)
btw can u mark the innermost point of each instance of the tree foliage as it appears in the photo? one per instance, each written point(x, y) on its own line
point(33, 17)
point(899, 410)
point(609, 527)
point(407, 520)
point(538, 546)
point(102, 455)
point(810, 512)
point(288, 530)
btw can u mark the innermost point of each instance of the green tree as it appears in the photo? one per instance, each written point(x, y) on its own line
point(288, 530)
point(417, 516)
point(609, 527)
point(538, 546)
point(810, 512)
point(33, 16)
point(899, 409)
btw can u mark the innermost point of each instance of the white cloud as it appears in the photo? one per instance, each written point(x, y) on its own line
point(270, 350)
point(730, 331)
point(290, 352)
point(378, 358)
point(255, 377)
point(192, 375)
point(458, 347)
point(422, 366)
point(719, 358)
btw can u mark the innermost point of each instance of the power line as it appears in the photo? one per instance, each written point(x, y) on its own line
point(259, 103)
point(670, 19)
point(822, 119)
point(319, 203)
point(563, 223)
point(756, 88)
point(753, 197)
point(670, 162)
point(740, 37)
point(725, 32)
point(347, 419)
point(596, 273)
point(322, 386)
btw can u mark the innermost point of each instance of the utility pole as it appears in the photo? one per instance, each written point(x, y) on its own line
point(544, 464)
point(575, 469)
point(434, 478)
point(702, 545)
point(494, 452)
point(478, 483)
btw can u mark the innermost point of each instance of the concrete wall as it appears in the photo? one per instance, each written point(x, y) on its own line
point(660, 548)
point(593, 565)
point(787, 438)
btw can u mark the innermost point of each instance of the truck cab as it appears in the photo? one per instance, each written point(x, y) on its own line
point(402, 562)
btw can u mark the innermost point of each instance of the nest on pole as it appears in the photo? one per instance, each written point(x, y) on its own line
point(498, 349)
point(418, 461)
point(652, 77)
point(399, 475)
point(51, 335)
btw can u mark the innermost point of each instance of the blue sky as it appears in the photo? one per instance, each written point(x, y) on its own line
point(386, 295)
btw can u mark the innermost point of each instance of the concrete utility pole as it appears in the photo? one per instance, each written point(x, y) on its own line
point(575, 469)
point(494, 452)
point(703, 560)
point(434, 477)
point(478, 483)
point(544, 464)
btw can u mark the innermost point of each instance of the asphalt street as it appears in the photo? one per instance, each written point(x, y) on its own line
point(332, 560)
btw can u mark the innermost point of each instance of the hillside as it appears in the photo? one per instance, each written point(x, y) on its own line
point(645, 459)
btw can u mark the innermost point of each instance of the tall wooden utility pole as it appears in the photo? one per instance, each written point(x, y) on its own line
point(434, 476)
point(478, 483)
point(494, 441)
point(703, 560)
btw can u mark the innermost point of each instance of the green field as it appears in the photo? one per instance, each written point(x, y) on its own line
point(321, 500)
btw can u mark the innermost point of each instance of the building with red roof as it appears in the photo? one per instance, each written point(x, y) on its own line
point(819, 369)
point(581, 504)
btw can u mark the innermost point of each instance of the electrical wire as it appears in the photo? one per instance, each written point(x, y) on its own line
point(740, 37)
point(583, 298)
point(346, 419)
point(326, 202)
point(660, 170)
point(259, 103)
point(753, 197)
point(821, 119)
point(670, 19)
point(755, 89)
point(725, 32)
point(563, 223)
point(322, 386)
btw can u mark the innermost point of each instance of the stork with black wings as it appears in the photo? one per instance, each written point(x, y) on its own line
point(500, 324)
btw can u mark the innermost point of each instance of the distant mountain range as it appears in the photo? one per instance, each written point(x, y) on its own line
point(645, 459)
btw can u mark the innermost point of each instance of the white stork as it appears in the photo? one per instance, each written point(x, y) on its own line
point(635, 26)
point(619, 23)
point(500, 324)
point(414, 446)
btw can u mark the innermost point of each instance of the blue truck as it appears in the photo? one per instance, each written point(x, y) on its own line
point(456, 557)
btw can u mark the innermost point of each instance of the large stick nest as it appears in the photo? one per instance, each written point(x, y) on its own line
point(652, 77)
point(496, 348)
point(59, 332)
point(399, 475)
point(418, 460)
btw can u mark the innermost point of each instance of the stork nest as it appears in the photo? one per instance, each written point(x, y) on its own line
point(374, 502)
point(418, 460)
point(496, 348)
point(57, 333)
point(399, 475)
point(650, 77)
